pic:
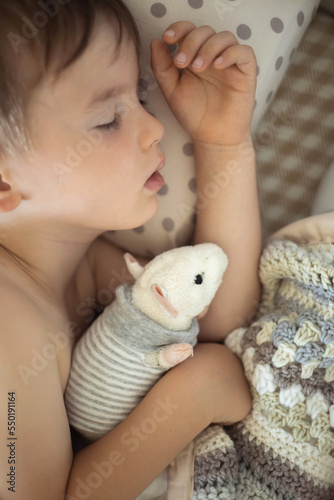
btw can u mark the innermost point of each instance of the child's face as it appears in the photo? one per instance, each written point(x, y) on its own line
point(89, 174)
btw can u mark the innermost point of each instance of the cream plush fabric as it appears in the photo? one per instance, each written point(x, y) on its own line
point(274, 29)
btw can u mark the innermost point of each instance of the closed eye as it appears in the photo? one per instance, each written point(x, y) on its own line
point(116, 123)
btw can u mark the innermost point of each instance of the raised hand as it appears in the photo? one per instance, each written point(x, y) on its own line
point(213, 98)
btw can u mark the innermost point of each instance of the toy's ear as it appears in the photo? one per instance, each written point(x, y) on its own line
point(133, 265)
point(161, 296)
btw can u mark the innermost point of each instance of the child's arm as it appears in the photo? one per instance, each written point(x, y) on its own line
point(35, 451)
point(214, 105)
point(37, 443)
point(230, 219)
point(189, 397)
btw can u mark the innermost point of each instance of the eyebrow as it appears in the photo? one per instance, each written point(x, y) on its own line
point(107, 94)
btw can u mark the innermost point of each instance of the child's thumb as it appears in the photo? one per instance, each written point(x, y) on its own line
point(163, 67)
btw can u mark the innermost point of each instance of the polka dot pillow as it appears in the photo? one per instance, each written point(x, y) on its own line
point(274, 29)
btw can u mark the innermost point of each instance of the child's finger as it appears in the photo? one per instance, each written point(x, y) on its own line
point(240, 55)
point(190, 44)
point(164, 69)
point(178, 31)
point(212, 49)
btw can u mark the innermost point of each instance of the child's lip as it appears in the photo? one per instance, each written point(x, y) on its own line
point(156, 181)
point(161, 164)
point(159, 167)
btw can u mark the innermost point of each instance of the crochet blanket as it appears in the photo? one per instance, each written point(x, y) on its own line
point(284, 449)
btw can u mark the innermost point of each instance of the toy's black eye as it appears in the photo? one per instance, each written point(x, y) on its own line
point(199, 279)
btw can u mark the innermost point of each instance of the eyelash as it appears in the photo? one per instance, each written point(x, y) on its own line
point(116, 123)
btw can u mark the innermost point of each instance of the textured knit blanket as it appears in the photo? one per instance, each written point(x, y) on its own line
point(284, 449)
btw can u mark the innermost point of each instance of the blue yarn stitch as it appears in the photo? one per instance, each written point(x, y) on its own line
point(326, 363)
point(307, 315)
point(326, 334)
point(320, 294)
point(284, 332)
point(309, 352)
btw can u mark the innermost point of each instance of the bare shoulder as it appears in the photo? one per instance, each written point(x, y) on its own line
point(17, 312)
point(27, 321)
point(35, 443)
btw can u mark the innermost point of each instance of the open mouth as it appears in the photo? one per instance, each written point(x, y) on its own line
point(155, 182)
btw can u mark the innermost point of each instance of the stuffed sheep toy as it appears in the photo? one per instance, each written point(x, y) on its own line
point(149, 328)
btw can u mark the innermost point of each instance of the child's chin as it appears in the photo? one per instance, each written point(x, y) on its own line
point(151, 211)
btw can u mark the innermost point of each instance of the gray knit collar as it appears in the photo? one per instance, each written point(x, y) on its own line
point(136, 329)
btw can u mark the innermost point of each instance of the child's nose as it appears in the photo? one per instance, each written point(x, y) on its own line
point(152, 131)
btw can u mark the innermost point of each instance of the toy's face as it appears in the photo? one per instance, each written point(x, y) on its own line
point(190, 291)
point(186, 285)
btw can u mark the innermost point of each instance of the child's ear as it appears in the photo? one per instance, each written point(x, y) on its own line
point(9, 197)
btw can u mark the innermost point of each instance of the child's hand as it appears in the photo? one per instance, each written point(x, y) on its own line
point(214, 103)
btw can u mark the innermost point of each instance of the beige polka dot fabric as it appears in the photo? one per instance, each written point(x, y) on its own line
point(295, 140)
point(274, 29)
